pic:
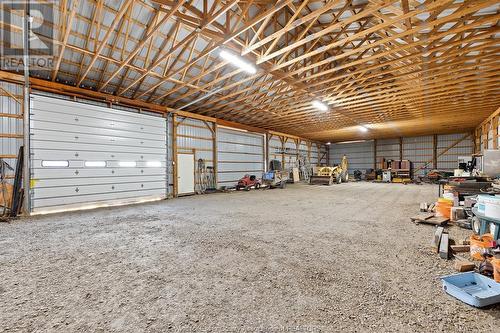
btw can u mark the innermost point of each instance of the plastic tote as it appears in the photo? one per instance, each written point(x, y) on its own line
point(472, 288)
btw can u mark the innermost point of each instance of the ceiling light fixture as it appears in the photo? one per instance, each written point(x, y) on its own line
point(363, 128)
point(328, 143)
point(320, 105)
point(238, 61)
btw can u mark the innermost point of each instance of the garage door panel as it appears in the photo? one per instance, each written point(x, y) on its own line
point(59, 108)
point(58, 203)
point(90, 156)
point(126, 143)
point(76, 172)
point(77, 146)
point(81, 190)
point(91, 181)
point(80, 181)
point(81, 129)
point(49, 135)
point(74, 120)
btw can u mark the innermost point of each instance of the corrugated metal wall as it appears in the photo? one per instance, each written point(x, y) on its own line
point(290, 154)
point(323, 154)
point(274, 147)
point(195, 136)
point(314, 155)
point(359, 154)
point(11, 124)
point(238, 153)
point(449, 160)
point(388, 149)
point(419, 150)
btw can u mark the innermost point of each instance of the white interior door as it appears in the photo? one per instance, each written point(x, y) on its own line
point(185, 173)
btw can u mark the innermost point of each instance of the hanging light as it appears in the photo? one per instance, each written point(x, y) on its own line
point(320, 105)
point(238, 61)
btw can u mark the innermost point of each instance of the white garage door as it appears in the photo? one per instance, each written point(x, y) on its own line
point(83, 156)
point(238, 153)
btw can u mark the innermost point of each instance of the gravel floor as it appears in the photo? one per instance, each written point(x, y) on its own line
point(304, 259)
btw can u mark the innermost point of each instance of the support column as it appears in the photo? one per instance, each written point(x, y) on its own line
point(26, 115)
point(400, 148)
point(434, 151)
point(283, 142)
point(215, 157)
point(174, 152)
point(494, 124)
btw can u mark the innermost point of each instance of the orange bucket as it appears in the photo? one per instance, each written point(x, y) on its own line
point(496, 269)
point(479, 245)
point(443, 209)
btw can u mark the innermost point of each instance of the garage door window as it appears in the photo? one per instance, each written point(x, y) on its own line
point(127, 164)
point(55, 164)
point(153, 164)
point(95, 164)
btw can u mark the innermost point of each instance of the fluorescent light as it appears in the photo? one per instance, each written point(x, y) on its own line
point(97, 164)
point(153, 164)
point(328, 143)
point(127, 164)
point(363, 128)
point(55, 163)
point(320, 105)
point(238, 61)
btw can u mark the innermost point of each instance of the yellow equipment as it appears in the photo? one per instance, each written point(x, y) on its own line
point(329, 175)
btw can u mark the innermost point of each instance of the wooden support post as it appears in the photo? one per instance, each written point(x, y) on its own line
point(494, 124)
point(374, 154)
point(309, 148)
point(400, 148)
point(267, 137)
point(434, 151)
point(474, 141)
point(174, 152)
point(297, 148)
point(484, 136)
point(283, 142)
point(328, 155)
point(215, 155)
point(479, 133)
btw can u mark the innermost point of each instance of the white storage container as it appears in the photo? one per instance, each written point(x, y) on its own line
point(489, 206)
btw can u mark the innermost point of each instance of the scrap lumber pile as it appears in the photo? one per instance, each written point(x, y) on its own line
point(475, 258)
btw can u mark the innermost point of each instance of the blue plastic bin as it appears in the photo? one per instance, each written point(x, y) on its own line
point(268, 176)
point(472, 288)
